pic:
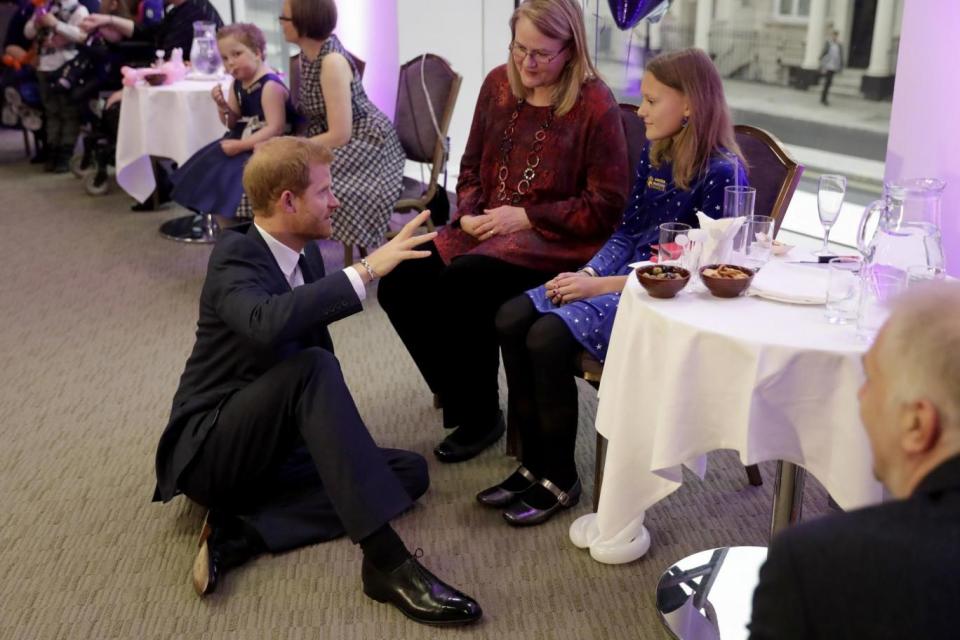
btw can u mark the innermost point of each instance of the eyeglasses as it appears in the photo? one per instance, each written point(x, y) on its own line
point(520, 54)
point(284, 18)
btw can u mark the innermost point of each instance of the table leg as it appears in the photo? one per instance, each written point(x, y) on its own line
point(787, 496)
point(598, 470)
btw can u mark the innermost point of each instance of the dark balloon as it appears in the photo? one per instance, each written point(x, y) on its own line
point(627, 13)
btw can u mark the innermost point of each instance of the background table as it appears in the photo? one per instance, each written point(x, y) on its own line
point(172, 121)
point(696, 373)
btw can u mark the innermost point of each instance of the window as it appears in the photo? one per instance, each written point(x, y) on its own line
point(793, 8)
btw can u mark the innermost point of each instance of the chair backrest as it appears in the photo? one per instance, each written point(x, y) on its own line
point(636, 134)
point(413, 121)
point(294, 74)
point(772, 171)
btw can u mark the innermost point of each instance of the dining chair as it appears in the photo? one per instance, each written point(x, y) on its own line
point(773, 172)
point(426, 96)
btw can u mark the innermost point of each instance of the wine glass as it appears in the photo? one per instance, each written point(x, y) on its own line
point(831, 190)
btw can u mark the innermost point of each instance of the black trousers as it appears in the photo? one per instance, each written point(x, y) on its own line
point(290, 456)
point(827, 82)
point(539, 355)
point(61, 113)
point(444, 314)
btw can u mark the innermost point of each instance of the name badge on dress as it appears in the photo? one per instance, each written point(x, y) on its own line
point(658, 184)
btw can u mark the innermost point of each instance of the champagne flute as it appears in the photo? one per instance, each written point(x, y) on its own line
point(830, 193)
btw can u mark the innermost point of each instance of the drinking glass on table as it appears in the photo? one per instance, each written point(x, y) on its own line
point(879, 285)
point(922, 273)
point(674, 240)
point(738, 201)
point(753, 243)
point(831, 190)
point(843, 289)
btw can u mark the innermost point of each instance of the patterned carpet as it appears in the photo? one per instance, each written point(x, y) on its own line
point(98, 318)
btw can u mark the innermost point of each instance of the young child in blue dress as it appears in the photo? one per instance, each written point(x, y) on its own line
point(690, 156)
point(256, 109)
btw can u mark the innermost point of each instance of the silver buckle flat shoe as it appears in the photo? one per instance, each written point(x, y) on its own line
point(522, 514)
point(497, 496)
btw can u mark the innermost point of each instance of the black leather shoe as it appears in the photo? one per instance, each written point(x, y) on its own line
point(449, 450)
point(218, 553)
point(523, 515)
point(420, 595)
point(497, 496)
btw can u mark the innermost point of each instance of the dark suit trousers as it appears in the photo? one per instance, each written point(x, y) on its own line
point(290, 456)
point(445, 316)
point(827, 82)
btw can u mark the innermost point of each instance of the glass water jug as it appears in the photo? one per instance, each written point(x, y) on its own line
point(204, 54)
point(907, 229)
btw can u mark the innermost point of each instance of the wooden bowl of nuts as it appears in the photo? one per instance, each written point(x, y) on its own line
point(726, 280)
point(663, 281)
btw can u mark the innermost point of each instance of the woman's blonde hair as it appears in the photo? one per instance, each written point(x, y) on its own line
point(709, 127)
point(281, 164)
point(560, 20)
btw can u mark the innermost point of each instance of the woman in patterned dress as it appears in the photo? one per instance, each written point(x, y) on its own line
point(368, 170)
point(542, 185)
point(689, 159)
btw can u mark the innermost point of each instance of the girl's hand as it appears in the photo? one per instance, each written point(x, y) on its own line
point(568, 287)
point(217, 94)
point(49, 20)
point(232, 147)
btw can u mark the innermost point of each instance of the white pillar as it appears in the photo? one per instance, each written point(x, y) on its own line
point(842, 16)
point(656, 36)
point(882, 38)
point(816, 35)
point(701, 34)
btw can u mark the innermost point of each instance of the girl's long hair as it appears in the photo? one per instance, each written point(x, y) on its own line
point(709, 127)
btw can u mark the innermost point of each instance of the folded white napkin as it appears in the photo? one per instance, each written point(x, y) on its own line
point(801, 284)
point(713, 241)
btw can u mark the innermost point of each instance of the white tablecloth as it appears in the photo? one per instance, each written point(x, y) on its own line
point(696, 373)
point(172, 121)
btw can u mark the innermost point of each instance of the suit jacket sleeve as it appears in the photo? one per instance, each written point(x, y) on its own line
point(244, 300)
point(778, 606)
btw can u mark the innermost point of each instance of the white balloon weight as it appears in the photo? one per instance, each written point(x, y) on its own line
point(584, 531)
point(628, 545)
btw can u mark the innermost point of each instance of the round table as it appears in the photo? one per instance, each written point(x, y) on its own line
point(696, 373)
point(170, 121)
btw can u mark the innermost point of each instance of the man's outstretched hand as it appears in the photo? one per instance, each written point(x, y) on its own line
point(400, 248)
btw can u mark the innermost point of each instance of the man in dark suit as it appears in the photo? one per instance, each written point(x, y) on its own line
point(264, 431)
point(892, 570)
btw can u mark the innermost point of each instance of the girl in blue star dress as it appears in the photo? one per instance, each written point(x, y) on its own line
point(689, 159)
point(257, 109)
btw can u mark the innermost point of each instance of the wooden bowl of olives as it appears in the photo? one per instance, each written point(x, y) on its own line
point(726, 280)
point(663, 281)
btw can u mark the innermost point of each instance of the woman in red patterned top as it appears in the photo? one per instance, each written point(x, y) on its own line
point(543, 183)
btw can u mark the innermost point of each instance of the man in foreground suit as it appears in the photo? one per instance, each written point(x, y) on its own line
point(892, 570)
point(263, 430)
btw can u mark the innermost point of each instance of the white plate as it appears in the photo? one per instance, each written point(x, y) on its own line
point(772, 296)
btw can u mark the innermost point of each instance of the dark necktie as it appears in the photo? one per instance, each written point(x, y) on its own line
point(304, 269)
